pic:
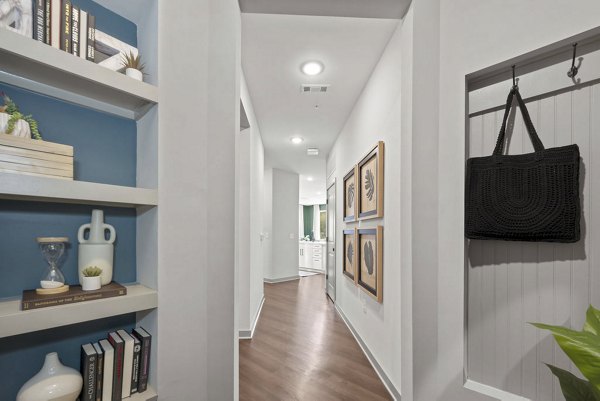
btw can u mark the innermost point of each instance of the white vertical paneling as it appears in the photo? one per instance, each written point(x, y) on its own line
point(511, 284)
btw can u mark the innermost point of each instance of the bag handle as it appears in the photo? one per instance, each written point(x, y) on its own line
point(535, 139)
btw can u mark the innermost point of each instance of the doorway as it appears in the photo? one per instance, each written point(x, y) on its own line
point(330, 281)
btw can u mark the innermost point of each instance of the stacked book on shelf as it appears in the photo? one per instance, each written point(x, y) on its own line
point(116, 367)
point(60, 24)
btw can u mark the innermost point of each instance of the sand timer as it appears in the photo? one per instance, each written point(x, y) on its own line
point(53, 280)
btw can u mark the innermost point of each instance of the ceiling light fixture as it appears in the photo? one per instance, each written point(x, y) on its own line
point(312, 68)
point(309, 178)
point(297, 140)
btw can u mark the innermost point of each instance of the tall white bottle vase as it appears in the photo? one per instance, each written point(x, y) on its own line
point(96, 250)
point(54, 381)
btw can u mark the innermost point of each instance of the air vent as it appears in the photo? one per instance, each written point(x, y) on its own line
point(312, 151)
point(312, 88)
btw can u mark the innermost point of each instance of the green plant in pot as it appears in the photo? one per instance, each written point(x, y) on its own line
point(13, 122)
point(134, 67)
point(583, 348)
point(91, 278)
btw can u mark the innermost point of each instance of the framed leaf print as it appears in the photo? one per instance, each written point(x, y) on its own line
point(351, 194)
point(349, 263)
point(370, 261)
point(370, 189)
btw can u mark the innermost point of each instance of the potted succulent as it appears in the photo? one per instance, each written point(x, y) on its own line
point(91, 278)
point(134, 67)
point(13, 122)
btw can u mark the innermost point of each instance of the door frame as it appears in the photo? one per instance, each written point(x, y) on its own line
point(333, 219)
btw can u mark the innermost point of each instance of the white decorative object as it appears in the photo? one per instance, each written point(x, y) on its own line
point(91, 283)
point(54, 382)
point(21, 128)
point(135, 74)
point(114, 48)
point(17, 15)
point(96, 250)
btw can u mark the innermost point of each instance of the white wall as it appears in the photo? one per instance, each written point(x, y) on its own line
point(198, 123)
point(280, 225)
point(249, 216)
point(472, 35)
point(376, 116)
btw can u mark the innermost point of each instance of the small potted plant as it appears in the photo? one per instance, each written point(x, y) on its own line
point(13, 122)
point(91, 278)
point(134, 67)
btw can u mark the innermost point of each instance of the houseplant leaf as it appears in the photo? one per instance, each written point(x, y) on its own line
point(582, 347)
point(573, 388)
point(592, 321)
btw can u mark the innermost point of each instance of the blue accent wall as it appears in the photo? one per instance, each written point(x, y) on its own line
point(22, 356)
point(109, 22)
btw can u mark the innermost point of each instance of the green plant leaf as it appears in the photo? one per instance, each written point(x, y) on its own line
point(582, 347)
point(592, 321)
point(573, 388)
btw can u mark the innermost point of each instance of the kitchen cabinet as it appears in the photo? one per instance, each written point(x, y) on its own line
point(312, 255)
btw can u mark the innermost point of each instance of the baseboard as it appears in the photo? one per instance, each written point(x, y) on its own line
point(378, 369)
point(248, 334)
point(280, 280)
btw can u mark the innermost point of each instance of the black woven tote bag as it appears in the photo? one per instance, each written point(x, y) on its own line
point(528, 197)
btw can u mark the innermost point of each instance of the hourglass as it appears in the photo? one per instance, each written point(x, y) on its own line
point(53, 281)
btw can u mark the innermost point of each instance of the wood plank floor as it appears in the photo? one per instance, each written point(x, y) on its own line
point(302, 350)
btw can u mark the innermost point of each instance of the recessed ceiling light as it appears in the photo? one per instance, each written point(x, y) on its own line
point(297, 140)
point(319, 193)
point(309, 178)
point(312, 68)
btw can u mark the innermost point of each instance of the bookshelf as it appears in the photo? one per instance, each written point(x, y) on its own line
point(43, 70)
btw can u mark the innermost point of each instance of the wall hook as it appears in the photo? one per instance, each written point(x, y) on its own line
point(574, 69)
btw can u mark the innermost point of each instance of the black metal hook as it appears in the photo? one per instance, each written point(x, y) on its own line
point(515, 85)
point(574, 69)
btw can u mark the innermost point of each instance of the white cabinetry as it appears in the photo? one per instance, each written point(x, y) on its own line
point(312, 255)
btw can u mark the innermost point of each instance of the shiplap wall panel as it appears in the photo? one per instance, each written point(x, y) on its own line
point(513, 283)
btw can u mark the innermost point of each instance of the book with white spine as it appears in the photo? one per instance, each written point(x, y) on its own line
point(127, 362)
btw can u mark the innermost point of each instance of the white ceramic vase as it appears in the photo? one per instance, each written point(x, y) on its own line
point(135, 74)
point(54, 382)
point(96, 250)
point(21, 129)
point(91, 283)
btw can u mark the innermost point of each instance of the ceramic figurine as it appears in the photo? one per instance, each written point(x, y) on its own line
point(54, 381)
point(96, 250)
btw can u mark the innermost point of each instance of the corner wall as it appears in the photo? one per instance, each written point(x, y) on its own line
point(249, 217)
point(376, 116)
point(281, 225)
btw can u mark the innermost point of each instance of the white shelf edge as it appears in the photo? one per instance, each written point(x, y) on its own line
point(24, 187)
point(39, 67)
point(148, 395)
point(14, 321)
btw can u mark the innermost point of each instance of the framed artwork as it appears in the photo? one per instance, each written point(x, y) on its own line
point(369, 243)
point(350, 194)
point(349, 263)
point(370, 189)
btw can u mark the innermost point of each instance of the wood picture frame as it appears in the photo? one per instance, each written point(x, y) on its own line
point(370, 189)
point(349, 254)
point(351, 195)
point(369, 267)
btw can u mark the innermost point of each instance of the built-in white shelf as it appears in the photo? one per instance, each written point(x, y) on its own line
point(35, 66)
point(14, 321)
point(148, 395)
point(41, 189)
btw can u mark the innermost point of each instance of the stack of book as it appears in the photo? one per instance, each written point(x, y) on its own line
point(116, 367)
point(60, 24)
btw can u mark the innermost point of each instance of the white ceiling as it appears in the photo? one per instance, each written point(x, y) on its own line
point(332, 8)
point(273, 49)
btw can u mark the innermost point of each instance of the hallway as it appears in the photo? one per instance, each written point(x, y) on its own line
point(302, 350)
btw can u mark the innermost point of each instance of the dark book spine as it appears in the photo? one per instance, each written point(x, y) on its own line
point(144, 364)
point(75, 31)
point(71, 299)
point(135, 371)
point(117, 370)
point(65, 25)
point(88, 371)
point(39, 20)
point(99, 376)
point(91, 38)
point(48, 22)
